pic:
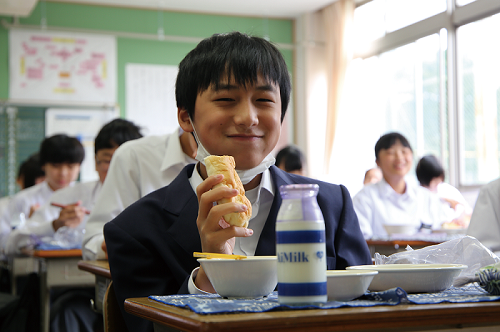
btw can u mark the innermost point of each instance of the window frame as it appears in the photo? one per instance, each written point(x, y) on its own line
point(451, 19)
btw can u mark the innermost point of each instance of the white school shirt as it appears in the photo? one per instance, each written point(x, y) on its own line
point(261, 199)
point(445, 190)
point(378, 204)
point(138, 167)
point(40, 223)
point(20, 204)
point(485, 220)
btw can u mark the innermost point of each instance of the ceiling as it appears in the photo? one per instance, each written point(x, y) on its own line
point(259, 8)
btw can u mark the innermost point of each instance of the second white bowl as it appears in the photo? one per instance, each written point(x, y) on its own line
point(345, 285)
point(413, 278)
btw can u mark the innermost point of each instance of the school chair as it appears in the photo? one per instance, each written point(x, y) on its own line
point(113, 319)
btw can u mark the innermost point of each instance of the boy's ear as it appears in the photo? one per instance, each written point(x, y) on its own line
point(184, 120)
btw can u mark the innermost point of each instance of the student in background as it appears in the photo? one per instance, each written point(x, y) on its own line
point(70, 307)
point(60, 158)
point(394, 200)
point(485, 220)
point(232, 91)
point(30, 172)
point(66, 210)
point(373, 175)
point(430, 174)
point(138, 168)
point(291, 160)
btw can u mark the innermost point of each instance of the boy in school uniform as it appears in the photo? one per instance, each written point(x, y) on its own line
point(60, 157)
point(69, 207)
point(70, 309)
point(232, 92)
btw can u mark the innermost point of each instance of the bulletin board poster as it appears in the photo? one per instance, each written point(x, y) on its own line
point(83, 124)
point(150, 97)
point(60, 66)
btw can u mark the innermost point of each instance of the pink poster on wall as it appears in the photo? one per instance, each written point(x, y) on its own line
point(61, 66)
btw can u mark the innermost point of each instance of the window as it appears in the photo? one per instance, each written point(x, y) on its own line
point(479, 101)
point(401, 13)
point(404, 51)
point(378, 17)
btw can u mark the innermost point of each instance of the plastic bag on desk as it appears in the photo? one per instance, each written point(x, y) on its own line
point(69, 237)
point(466, 250)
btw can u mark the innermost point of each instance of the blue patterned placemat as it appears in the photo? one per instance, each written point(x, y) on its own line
point(213, 303)
point(49, 246)
point(471, 293)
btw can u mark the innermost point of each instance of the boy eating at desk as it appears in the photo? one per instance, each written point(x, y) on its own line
point(232, 93)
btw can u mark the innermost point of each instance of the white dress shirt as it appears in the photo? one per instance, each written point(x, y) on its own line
point(40, 223)
point(261, 199)
point(445, 190)
point(378, 204)
point(137, 168)
point(19, 207)
point(485, 220)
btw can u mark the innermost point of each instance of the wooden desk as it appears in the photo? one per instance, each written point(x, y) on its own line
point(100, 268)
point(482, 316)
point(57, 268)
point(389, 247)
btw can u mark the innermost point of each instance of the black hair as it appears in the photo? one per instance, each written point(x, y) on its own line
point(30, 170)
point(291, 157)
point(428, 168)
point(61, 148)
point(115, 133)
point(388, 140)
point(230, 55)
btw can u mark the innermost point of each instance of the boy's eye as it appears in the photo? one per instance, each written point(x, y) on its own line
point(224, 99)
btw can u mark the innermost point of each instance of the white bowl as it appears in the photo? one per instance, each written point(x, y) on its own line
point(345, 285)
point(413, 278)
point(400, 229)
point(252, 277)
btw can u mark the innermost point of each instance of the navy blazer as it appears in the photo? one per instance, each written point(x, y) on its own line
point(151, 243)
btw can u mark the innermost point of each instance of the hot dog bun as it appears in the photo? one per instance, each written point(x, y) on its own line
point(225, 165)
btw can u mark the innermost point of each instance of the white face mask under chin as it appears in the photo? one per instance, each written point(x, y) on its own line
point(245, 175)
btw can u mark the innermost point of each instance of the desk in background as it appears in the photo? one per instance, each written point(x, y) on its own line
point(18, 266)
point(397, 242)
point(57, 268)
point(389, 247)
point(480, 316)
point(100, 269)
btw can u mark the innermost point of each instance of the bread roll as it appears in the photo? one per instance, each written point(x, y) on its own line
point(225, 165)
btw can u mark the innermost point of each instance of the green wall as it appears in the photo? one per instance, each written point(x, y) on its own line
point(133, 50)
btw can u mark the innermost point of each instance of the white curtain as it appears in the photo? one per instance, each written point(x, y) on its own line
point(337, 18)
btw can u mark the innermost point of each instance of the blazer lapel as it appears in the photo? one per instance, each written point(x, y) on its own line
point(182, 215)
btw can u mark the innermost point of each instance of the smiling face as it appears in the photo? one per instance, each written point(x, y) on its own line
point(240, 121)
point(395, 162)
